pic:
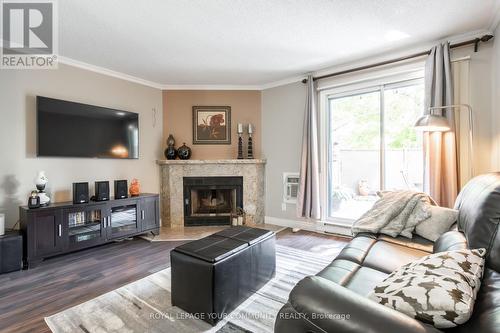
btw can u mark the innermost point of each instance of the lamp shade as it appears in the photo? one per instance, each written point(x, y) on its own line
point(432, 123)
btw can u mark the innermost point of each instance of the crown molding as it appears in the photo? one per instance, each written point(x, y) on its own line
point(210, 87)
point(119, 75)
point(283, 82)
point(496, 18)
point(104, 71)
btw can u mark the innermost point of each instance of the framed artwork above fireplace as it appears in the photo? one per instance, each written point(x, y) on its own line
point(212, 125)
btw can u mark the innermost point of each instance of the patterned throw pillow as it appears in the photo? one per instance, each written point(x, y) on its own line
point(438, 289)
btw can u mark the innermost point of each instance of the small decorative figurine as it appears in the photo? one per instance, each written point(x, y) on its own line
point(250, 142)
point(170, 152)
point(135, 188)
point(240, 213)
point(41, 182)
point(34, 200)
point(184, 152)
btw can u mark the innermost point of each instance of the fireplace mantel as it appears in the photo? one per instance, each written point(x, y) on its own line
point(172, 173)
point(243, 161)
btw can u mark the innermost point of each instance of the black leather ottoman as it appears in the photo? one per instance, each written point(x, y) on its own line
point(213, 275)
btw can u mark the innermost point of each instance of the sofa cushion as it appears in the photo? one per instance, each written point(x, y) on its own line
point(358, 248)
point(364, 280)
point(359, 267)
point(417, 242)
point(339, 271)
point(441, 220)
point(439, 289)
point(387, 257)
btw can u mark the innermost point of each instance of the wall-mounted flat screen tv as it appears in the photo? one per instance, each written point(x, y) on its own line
point(68, 129)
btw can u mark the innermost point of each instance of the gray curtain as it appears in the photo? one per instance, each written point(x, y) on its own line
point(440, 148)
point(308, 200)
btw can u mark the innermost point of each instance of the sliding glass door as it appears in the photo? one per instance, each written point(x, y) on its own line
point(372, 146)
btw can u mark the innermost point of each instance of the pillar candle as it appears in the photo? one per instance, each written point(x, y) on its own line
point(250, 129)
point(2, 224)
point(240, 128)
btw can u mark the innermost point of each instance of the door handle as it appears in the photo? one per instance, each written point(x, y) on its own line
point(142, 214)
point(60, 230)
point(104, 222)
point(109, 221)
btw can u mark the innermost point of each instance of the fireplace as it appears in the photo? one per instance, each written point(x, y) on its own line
point(211, 200)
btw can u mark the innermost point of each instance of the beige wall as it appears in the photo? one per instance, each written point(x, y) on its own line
point(18, 163)
point(178, 119)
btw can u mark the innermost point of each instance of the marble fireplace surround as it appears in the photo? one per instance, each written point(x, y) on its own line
point(171, 182)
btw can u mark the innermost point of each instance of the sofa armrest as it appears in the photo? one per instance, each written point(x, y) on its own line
point(332, 308)
point(451, 240)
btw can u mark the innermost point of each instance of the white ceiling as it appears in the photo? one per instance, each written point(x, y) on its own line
point(252, 42)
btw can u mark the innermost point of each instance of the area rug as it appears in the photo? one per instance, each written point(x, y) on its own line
point(144, 305)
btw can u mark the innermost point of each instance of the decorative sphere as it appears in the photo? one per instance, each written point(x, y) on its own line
point(184, 152)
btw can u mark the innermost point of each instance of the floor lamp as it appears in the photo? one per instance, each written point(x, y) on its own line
point(437, 123)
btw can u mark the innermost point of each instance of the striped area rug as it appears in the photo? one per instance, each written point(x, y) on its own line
point(144, 305)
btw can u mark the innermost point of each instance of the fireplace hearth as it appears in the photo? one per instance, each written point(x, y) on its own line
point(211, 200)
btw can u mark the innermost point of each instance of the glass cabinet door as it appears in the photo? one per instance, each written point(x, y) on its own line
point(124, 219)
point(85, 226)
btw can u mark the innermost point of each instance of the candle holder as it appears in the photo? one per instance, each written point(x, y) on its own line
point(240, 147)
point(250, 147)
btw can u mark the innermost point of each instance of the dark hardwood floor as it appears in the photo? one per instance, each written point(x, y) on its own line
point(26, 297)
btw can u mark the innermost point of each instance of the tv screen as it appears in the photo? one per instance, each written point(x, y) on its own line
point(68, 129)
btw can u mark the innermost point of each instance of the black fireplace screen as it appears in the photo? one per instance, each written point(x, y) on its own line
point(211, 200)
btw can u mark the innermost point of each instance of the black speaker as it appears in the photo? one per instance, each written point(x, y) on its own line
point(80, 193)
point(121, 189)
point(101, 191)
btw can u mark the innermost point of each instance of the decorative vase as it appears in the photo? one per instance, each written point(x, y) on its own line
point(184, 152)
point(135, 188)
point(40, 182)
point(170, 152)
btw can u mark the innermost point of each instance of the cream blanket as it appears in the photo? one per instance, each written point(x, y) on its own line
point(395, 213)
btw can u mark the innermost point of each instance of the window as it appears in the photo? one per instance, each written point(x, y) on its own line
point(371, 145)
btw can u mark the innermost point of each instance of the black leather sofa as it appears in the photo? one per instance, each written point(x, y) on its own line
point(335, 299)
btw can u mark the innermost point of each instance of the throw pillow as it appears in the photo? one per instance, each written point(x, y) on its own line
point(440, 222)
point(438, 289)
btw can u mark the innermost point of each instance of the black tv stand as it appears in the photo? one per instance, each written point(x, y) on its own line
point(65, 227)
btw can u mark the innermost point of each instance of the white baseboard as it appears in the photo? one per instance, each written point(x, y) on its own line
point(304, 225)
point(316, 226)
point(337, 229)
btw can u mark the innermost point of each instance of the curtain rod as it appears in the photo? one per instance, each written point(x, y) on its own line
point(474, 41)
